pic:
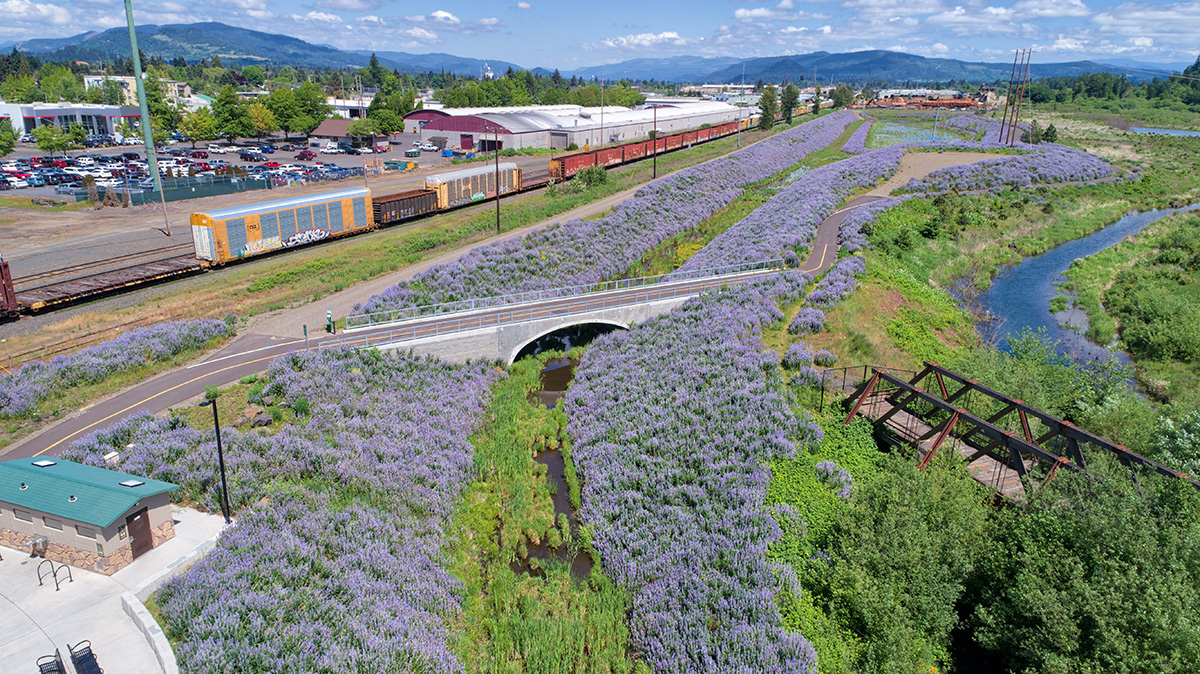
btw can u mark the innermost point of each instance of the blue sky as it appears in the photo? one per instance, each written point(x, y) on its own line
point(568, 34)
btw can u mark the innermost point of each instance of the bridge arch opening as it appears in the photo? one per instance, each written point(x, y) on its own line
point(564, 338)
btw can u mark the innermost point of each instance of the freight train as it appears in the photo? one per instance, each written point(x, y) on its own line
point(240, 232)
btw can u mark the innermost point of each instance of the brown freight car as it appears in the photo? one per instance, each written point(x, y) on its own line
point(391, 208)
point(566, 166)
point(610, 156)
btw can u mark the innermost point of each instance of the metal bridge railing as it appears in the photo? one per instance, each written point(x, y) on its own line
point(451, 325)
point(371, 320)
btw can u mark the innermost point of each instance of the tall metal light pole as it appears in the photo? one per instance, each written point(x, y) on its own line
point(147, 131)
point(220, 457)
point(496, 146)
point(654, 143)
point(741, 94)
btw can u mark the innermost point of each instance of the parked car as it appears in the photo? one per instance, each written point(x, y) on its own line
point(304, 155)
point(198, 154)
point(251, 156)
point(332, 149)
point(266, 149)
point(271, 164)
point(220, 149)
point(28, 138)
point(429, 147)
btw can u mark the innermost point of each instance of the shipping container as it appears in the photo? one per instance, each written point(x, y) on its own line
point(474, 184)
point(236, 232)
point(391, 208)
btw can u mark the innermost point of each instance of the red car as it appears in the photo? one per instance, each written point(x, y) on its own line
point(271, 164)
point(198, 154)
point(203, 166)
point(306, 155)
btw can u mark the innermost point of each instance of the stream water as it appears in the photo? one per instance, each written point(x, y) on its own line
point(1020, 296)
point(1164, 132)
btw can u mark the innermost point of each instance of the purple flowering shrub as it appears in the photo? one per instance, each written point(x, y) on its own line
point(797, 355)
point(857, 144)
point(588, 251)
point(342, 563)
point(1044, 165)
point(836, 477)
point(805, 375)
point(789, 220)
point(824, 358)
point(975, 124)
point(807, 321)
point(838, 283)
point(671, 425)
point(21, 391)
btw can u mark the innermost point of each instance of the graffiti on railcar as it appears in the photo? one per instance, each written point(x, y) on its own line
point(261, 246)
point(307, 236)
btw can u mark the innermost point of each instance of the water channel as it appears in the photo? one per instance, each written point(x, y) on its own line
point(1020, 296)
point(556, 376)
point(1164, 132)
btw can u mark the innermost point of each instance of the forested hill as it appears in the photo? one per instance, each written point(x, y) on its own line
point(880, 65)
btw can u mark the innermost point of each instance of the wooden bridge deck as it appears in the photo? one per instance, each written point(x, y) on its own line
point(908, 429)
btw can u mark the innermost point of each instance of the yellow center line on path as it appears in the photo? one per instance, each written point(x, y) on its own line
point(824, 251)
point(143, 402)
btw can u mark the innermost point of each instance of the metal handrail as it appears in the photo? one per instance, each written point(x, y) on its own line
point(370, 320)
point(467, 323)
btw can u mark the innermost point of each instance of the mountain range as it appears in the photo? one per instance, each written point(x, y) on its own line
point(240, 46)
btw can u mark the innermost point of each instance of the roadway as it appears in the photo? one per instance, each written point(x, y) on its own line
point(251, 353)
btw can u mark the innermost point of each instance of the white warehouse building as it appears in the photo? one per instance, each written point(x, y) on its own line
point(558, 126)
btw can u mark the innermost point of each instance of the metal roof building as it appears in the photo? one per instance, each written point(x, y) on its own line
point(559, 126)
point(89, 517)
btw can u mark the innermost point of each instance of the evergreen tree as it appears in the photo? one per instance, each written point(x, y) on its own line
point(789, 101)
point(769, 106)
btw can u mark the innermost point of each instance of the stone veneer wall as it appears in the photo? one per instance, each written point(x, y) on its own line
point(88, 559)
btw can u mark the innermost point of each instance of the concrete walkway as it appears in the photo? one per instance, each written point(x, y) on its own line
point(35, 620)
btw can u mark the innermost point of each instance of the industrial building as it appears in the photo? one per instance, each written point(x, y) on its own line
point(96, 118)
point(559, 126)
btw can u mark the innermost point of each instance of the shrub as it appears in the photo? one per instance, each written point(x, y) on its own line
point(824, 358)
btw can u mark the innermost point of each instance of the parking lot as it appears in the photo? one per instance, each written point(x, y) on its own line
point(280, 163)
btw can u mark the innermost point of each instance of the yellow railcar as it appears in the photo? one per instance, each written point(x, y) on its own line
point(474, 184)
point(238, 232)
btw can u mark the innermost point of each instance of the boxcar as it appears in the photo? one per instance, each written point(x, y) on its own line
point(566, 166)
point(635, 151)
point(390, 208)
point(610, 156)
point(253, 229)
point(474, 184)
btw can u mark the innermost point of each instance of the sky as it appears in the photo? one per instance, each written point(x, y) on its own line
point(568, 34)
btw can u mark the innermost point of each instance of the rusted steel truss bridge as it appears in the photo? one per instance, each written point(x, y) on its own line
point(1009, 445)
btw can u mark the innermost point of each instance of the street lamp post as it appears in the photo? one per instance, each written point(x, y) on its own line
point(654, 146)
point(220, 458)
point(496, 148)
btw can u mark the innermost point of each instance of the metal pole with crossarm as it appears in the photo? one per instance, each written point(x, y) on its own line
point(147, 131)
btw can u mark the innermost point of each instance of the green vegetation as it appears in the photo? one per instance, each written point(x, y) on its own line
point(523, 613)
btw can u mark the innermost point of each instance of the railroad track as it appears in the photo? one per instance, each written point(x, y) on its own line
point(77, 272)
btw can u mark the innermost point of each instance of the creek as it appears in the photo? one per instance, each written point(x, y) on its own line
point(1020, 296)
point(1164, 132)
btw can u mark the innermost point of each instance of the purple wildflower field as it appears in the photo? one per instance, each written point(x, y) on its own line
point(21, 391)
point(587, 251)
point(341, 564)
point(857, 144)
point(1047, 164)
point(974, 124)
point(837, 284)
point(797, 355)
point(786, 225)
point(671, 424)
point(807, 321)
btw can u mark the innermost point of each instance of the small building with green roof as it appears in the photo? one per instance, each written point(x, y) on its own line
point(92, 518)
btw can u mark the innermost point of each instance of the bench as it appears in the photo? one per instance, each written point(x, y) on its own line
point(51, 664)
point(83, 658)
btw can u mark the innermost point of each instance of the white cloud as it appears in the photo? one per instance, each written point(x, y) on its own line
point(1136, 19)
point(349, 5)
point(524, 5)
point(442, 16)
point(1142, 42)
point(421, 34)
point(245, 4)
point(260, 14)
point(792, 30)
point(1048, 9)
point(23, 11)
point(826, 30)
point(370, 18)
point(645, 40)
point(490, 22)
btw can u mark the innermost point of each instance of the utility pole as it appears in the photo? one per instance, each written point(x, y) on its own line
point(496, 142)
point(147, 130)
point(654, 143)
point(1008, 97)
point(601, 111)
point(741, 93)
point(1012, 136)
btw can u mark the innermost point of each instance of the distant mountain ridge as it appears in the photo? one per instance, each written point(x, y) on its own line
point(242, 46)
point(880, 65)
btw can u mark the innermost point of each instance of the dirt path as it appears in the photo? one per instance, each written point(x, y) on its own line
point(920, 164)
